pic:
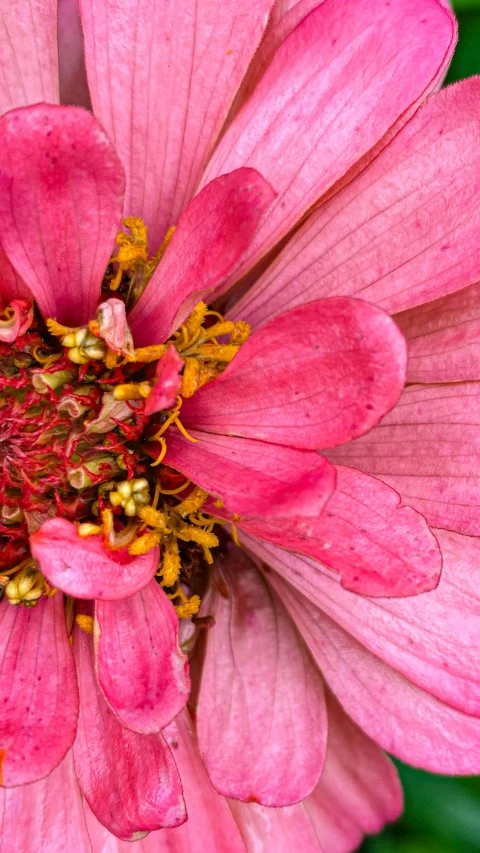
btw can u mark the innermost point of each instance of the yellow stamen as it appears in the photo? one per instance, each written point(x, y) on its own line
point(84, 622)
point(144, 544)
point(174, 491)
point(188, 608)
point(88, 529)
point(152, 265)
point(194, 501)
point(189, 377)
point(162, 453)
point(148, 354)
point(132, 391)
point(171, 562)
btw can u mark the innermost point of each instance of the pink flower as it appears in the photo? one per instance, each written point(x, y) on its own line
point(313, 648)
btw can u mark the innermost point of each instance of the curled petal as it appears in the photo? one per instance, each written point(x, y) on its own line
point(129, 780)
point(111, 325)
point(314, 377)
point(168, 381)
point(140, 668)
point(39, 708)
point(81, 566)
point(20, 319)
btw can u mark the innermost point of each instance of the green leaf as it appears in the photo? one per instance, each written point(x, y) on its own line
point(466, 60)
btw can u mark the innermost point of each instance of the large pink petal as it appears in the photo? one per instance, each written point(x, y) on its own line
point(272, 830)
point(428, 449)
point(432, 639)
point(377, 545)
point(404, 719)
point(71, 57)
point(165, 103)
point(261, 714)
point(402, 233)
point(210, 821)
point(314, 377)
point(82, 566)
point(45, 816)
point(129, 780)
point(61, 193)
point(443, 337)
point(28, 53)
point(253, 477)
point(212, 234)
point(140, 667)
point(358, 792)
point(39, 705)
point(334, 88)
point(209, 818)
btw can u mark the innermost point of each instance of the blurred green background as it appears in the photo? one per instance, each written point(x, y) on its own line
point(442, 815)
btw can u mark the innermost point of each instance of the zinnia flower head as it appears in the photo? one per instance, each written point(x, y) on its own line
point(201, 254)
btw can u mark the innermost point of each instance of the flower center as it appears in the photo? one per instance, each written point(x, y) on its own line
point(84, 417)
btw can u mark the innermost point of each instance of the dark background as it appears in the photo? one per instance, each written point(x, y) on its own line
point(442, 815)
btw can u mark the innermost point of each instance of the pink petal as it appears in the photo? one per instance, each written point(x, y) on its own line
point(168, 381)
point(140, 667)
point(276, 830)
point(212, 235)
point(11, 285)
point(261, 715)
point(427, 449)
point(111, 325)
point(443, 338)
point(284, 18)
point(378, 546)
point(165, 103)
point(315, 377)
point(209, 818)
point(404, 232)
point(129, 780)
point(337, 84)
point(358, 792)
point(82, 567)
point(28, 36)
point(431, 639)
point(404, 719)
point(39, 707)
point(45, 816)
point(19, 321)
point(253, 477)
point(60, 205)
point(71, 59)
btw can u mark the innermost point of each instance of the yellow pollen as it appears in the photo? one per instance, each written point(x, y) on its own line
point(84, 622)
point(132, 391)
